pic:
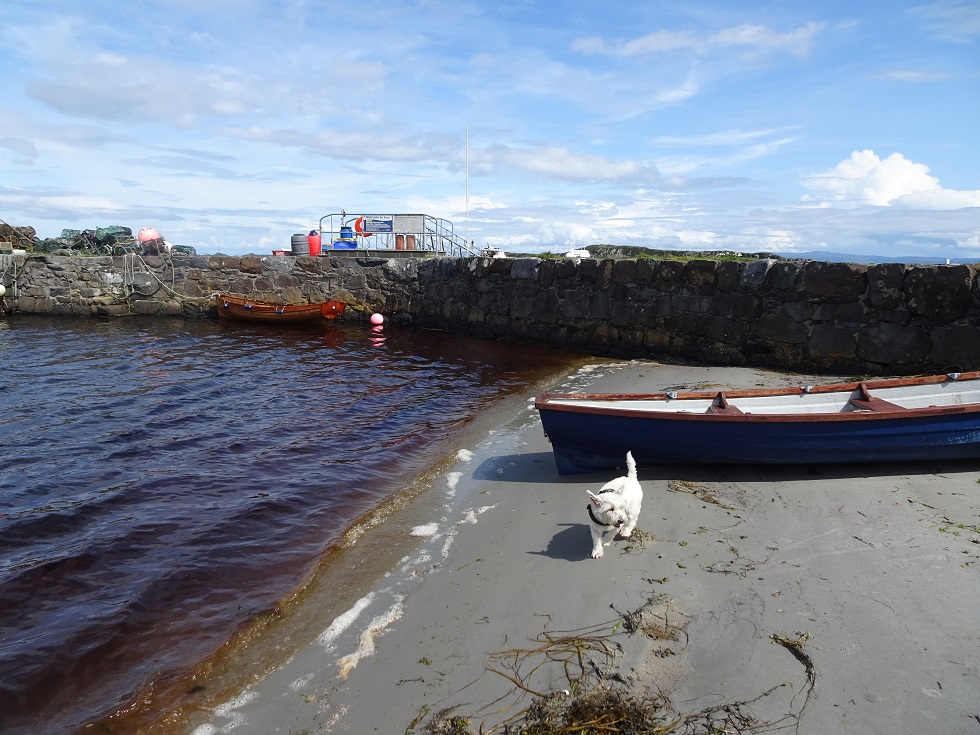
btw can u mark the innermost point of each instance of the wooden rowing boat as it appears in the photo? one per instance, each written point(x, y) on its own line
point(251, 310)
point(922, 418)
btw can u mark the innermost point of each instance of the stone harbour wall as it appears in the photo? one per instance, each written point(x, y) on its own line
point(885, 319)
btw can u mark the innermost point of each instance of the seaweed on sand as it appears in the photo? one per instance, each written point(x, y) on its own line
point(590, 697)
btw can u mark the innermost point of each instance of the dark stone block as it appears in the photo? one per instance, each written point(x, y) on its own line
point(785, 276)
point(525, 268)
point(701, 272)
point(829, 341)
point(646, 270)
point(729, 274)
point(885, 285)
point(892, 344)
point(956, 348)
point(834, 281)
point(604, 274)
point(723, 329)
point(575, 305)
point(588, 270)
point(780, 328)
point(547, 272)
point(624, 271)
point(940, 293)
point(671, 275)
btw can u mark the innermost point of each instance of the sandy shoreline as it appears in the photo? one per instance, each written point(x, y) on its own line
point(872, 571)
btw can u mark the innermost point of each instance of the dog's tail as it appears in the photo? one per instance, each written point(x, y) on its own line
point(630, 465)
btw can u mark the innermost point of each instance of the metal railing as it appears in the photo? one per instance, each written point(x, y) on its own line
point(387, 232)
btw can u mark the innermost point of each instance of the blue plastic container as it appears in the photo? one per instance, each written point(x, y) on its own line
point(346, 233)
point(345, 244)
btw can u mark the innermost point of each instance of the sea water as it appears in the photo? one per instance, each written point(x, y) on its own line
point(163, 483)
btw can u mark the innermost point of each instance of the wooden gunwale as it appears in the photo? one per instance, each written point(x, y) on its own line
point(876, 409)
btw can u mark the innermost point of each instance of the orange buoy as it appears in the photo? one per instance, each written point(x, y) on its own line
point(359, 228)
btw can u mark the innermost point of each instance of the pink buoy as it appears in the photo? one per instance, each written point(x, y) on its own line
point(377, 320)
point(148, 234)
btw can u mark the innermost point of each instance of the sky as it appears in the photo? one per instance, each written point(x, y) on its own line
point(229, 125)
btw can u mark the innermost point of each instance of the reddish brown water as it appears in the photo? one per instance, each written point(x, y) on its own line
point(162, 483)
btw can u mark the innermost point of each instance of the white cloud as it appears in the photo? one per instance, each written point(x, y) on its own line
point(688, 164)
point(796, 41)
point(562, 163)
point(720, 138)
point(107, 87)
point(452, 206)
point(26, 150)
point(745, 36)
point(939, 199)
point(661, 41)
point(81, 207)
point(540, 236)
point(865, 179)
point(356, 145)
point(951, 20)
point(914, 75)
point(697, 239)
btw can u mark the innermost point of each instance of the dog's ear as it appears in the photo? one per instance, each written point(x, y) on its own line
point(596, 500)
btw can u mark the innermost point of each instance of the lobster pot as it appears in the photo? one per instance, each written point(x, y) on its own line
point(301, 244)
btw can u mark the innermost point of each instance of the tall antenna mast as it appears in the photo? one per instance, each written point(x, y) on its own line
point(467, 185)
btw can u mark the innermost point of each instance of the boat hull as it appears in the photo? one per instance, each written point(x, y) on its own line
point(249, 310)
point(589, 438)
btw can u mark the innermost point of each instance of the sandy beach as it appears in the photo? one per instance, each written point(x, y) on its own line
point(830, 599)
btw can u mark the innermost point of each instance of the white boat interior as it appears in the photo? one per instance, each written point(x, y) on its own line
point(947, 393)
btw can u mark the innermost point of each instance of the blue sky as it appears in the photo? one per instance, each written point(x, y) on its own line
point(229, 125)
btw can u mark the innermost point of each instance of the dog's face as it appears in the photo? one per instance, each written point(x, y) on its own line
point(609, 508)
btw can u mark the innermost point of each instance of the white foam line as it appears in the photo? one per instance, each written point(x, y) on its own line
point(343, 622)
point(450, 537)
point(464, 455)
point(470, 515)
point(429, 529)
point(375, 630)
point(227, 710)
point(452, 479)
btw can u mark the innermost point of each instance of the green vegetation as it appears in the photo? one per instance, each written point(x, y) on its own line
point(636, 252)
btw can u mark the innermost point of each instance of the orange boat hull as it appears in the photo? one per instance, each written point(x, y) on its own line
point(251, 310)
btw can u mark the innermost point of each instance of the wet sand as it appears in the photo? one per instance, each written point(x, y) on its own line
point(822, 599)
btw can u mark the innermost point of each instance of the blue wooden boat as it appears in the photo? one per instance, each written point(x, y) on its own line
point(922, 418)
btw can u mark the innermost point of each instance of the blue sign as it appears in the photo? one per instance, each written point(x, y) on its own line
point(377, 223)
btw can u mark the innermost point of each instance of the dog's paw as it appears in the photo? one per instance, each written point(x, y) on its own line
point(597, 553)
point(625, 534)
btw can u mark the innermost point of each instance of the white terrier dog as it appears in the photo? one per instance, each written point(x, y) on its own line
point(616, 507)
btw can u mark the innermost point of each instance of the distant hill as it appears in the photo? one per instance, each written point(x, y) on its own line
point(632, 251)
point(852, 258)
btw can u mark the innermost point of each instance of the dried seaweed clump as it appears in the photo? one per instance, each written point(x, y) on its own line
point(599, 711)
point(602, 710)
point(446, 723)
